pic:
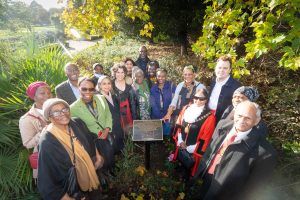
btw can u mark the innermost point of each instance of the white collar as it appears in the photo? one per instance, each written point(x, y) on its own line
point(192, 113)
point(242, 135)
point(222, 82)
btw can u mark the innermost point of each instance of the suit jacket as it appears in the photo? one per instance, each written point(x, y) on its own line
point(104, 120)
point(64, 91)
point(142, 64)
point(225, 98)
point(244, 166)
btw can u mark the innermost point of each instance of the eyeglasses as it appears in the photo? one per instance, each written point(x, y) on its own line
point(200, 98)
point(60, 112)
point(87, 89)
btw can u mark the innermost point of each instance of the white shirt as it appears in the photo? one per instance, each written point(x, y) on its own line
point(75, 90)
point(215, 94)
point(239, 136)
point(98, 75)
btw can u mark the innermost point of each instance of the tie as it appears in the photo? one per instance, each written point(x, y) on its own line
point(220, 153)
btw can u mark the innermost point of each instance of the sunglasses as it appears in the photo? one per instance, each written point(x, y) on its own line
point(87, 89)
point(60, 112)
point(200, 98)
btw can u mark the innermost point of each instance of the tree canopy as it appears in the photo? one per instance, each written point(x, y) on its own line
point(244, 29)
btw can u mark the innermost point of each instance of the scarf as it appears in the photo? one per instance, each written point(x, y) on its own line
point(85, 170)
point(143, 91)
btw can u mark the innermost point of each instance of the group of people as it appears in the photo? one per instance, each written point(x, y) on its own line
point(218, 131)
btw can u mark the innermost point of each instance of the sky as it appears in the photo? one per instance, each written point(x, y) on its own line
point(47, 4)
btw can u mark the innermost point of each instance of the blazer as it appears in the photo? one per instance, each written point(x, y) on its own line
point(142, 64)
point(244, 166)
point(104, 120)
point(64, 91)
point(225, 98)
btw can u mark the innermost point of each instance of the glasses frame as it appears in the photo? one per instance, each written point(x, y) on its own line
point(60, 113)
point(87, 89)
point(200, 98)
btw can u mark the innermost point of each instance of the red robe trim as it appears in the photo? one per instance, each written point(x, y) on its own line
point(205, 134)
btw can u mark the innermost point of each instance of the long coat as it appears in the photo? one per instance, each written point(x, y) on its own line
point(31, 127)
point(54, 161)
point(244, 166)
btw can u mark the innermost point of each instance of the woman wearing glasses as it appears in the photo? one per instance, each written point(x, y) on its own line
point(33, 122)
point(196, 124)
point(67, 143)
point(94, 111)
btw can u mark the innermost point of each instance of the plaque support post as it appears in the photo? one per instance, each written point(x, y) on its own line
point(147, 155)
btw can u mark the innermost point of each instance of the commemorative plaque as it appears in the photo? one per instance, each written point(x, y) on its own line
point(147, 130)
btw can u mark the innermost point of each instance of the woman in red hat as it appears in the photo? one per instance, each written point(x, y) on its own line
point(32, 123)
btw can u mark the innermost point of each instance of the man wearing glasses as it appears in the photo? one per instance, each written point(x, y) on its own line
point(68, 90)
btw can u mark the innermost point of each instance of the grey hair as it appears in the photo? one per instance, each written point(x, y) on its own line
point(136, 72)
point(258, 109)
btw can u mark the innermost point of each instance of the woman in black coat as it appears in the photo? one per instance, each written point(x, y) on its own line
point(65, 140)
point(104, 87)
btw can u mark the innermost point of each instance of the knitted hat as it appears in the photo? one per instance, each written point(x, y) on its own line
point(32, 88)
point(50, 103)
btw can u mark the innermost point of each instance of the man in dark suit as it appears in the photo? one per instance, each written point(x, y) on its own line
point(68, 90)
point(222, 87)
point(239, 159)
point(143, 60)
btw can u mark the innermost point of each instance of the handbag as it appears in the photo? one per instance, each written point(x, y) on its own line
point(33, 159)
point(71, 185)
point(185, 158)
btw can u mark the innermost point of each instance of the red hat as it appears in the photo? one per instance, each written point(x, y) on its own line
point(31, 89)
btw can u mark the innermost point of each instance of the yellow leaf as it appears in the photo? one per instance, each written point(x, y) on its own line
point(140, 170)
point(140, 197)
point(146, 8)
point(180, 196)
point(123, 197)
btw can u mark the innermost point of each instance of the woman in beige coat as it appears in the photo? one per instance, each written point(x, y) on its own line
point(32, 123)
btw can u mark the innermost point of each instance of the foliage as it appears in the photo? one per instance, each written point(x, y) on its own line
point(101, 17)
point(126, 165)
point(249, 29)
point(39, 15)
point(14, 15)
point(39, 63)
